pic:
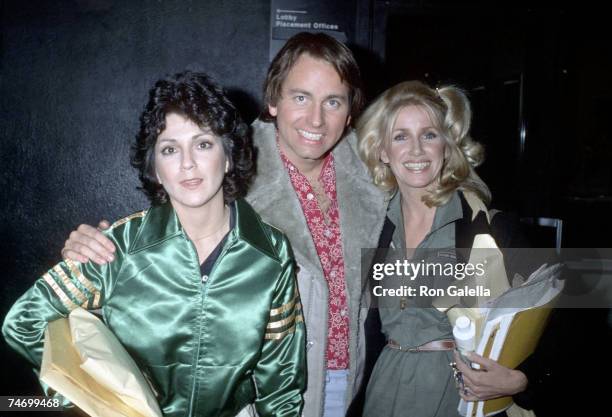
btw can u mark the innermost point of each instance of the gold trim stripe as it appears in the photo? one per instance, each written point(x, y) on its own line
point(79, 275)
point(96, 301)
point(284, 307)
point(85, 281)
point(128, 218)
point(277, 336)
point(72, 289)
point(59, 292)
point(280, 323)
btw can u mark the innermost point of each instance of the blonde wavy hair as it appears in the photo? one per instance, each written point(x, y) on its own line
point(450, 112)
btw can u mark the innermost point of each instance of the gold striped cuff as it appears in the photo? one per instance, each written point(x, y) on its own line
point(67, 302)
point(72, 289)
point(79, 275)
point(85, 282)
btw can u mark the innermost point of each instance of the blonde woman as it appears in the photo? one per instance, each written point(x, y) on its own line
point(415, 141)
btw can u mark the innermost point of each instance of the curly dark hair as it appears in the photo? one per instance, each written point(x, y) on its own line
point(197, 97)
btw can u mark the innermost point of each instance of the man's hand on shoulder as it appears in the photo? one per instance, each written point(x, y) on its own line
point(88, 243)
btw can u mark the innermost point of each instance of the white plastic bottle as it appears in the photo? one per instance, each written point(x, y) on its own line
point(465, 334)
point(464, 331)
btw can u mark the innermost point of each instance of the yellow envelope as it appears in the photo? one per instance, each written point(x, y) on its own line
point(77, 366)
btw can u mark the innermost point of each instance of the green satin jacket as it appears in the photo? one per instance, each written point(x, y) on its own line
point(210, 345)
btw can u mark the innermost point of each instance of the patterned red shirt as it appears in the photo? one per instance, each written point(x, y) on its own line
point(325, 231)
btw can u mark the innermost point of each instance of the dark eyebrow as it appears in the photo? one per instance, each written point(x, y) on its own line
point(167, 140)
point(194, 137)
point(426, 128)
point(340, 97)
point(337, 97)
point(298, 91)
point(198, 135)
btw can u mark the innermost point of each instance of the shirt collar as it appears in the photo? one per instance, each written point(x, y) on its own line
point(448, 213)
point(291, 168)
point(445, 214)
point(161, 224)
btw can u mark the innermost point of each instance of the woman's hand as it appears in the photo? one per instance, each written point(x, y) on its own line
point(88, 243)
point(492, 380)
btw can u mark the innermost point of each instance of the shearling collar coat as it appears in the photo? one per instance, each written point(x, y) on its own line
point(362, 208)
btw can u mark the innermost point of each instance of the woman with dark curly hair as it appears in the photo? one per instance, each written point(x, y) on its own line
point(202, 293)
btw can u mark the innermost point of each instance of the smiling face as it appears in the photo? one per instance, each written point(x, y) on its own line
point(415, 151)
point(190, 164)
point(311, 113)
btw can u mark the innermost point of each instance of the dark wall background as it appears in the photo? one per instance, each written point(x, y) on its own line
point(74, 75)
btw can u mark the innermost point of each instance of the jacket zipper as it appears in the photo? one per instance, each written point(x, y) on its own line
point(203, 292)
point(194, 258)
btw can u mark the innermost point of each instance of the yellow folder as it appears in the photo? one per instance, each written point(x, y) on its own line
point(510, 343)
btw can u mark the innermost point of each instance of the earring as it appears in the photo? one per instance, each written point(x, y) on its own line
point(226, 166)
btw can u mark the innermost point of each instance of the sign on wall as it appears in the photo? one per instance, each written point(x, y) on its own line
point(289, 17)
